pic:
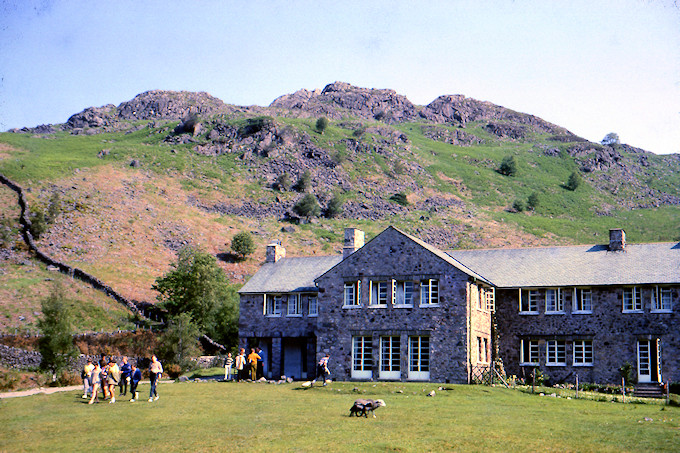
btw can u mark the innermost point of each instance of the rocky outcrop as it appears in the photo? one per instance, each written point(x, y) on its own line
point(369, 103)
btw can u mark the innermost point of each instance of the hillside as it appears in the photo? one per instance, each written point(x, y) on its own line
point(136, 182)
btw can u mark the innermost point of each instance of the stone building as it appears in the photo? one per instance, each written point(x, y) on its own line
point(397, 308)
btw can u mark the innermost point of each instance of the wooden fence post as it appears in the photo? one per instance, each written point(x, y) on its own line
point(576, 385)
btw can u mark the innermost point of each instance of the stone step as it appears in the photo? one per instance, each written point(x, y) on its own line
point(649, 390)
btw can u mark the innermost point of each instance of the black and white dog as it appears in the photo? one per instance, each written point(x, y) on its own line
point(363, 407)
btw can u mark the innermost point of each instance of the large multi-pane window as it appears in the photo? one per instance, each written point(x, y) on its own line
point(429, 292)
point(661, 299)
point(556, 352)
point(583, 352)
point(294, 305)
point(632, 299)
point(362, 357)
point(419, 358)
point(378, 293)
point(554, 300)
point(528, 301)
point(272, 305)
point(402, 293)
point(390, 357)
point(313, 306)
point(490, 297)
point(583, 300)
point(352, 294)
point(528, 352)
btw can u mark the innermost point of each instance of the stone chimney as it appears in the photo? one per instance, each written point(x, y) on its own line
point(617, 239)
point(354, 240)
point(275, 252)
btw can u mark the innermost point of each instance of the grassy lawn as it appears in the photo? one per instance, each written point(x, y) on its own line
point(215, 416)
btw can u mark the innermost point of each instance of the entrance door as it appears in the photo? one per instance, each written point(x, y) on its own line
point(649, 360)
point(292, 358)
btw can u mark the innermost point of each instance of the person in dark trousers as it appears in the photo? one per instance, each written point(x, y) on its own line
point(260, 363)
point(124, 377)
point(322, 369)
point(135, 377)
point(155, 372)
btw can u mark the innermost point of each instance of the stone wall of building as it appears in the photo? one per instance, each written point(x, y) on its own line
point(391, 255)
point(614, 334)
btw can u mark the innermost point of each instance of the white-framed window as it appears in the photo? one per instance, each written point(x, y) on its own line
point(583, 298)
point(429, 292)
point(482, 350)
point(403, 293)
point(583, 352)
point(362, 357)
point(476, 297)
point(490, 296)
point(556, 352)
point(554, 300)
point(313, 305)
point(632, 299)
point(378, 294)
point(528, 352)
point(528, 301)
point(272, 305)
point(352, 294)
point(294, 305)
point(419, 358)
point(390, 357)
point(662, 299)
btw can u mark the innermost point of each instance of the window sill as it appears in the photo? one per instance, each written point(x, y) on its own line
point(632, 311)
point(294, 316)
point(352, 306)
point(377, 306)
point(555, 364)
point(583, 365)
point(555, 312)
point(273, 316)
point(402, 306)
point(530, 313)
point(313, 315)
point(529, 364)
point(661, 311)
point(428, 305)
point(582, 312)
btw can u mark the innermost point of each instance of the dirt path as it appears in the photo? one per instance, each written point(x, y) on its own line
point(50, 390)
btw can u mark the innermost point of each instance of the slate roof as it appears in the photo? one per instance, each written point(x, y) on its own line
point(287, 275)
point(575, 266)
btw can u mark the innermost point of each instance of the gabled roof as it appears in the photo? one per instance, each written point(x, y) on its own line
point(432, 249)
point(289, 275)
point(587, 265)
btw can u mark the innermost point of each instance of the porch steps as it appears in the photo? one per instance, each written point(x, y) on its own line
point(649, 390)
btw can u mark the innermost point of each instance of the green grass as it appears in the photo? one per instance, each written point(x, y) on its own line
point(215, 416)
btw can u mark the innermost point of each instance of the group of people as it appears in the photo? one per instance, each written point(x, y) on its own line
point(104, 375)
point(251, 366)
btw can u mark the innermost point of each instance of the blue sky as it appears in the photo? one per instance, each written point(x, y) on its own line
point(591, 66)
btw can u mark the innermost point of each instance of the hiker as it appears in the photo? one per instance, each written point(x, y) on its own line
point(261, 363)
point(253, 357)
point(135, 377)
point(155, 372)
point(240, 364)
point(228, 362)
point(322, 369)
point(124, 377)
point(96, 379)
point(112, 379)
point(87, 378)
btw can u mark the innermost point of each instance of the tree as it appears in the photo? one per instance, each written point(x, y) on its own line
point(611, 138)
point(242, 244)
point(533, 201)
point(56, 344)
point(179, 342)
point(321, 124)
point(574, 181)
point(508, 166)
point(304, 182)
point(308, 206)
point(334, 208)
point(518, 205)
point(197, 285)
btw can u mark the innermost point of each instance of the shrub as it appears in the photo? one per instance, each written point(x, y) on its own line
point(308, 206)
point(508, 166)
point(321, 124)
point(243, 244)
point(6, 233)
point(518, 205)
point(574, 181)
point(304, 182)
point(38, 223)
point(400, 198)
point(54, 208)
point(334, 208)
point(283, 182)
point(533, 201)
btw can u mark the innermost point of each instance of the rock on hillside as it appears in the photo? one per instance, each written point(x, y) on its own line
point(370, 103)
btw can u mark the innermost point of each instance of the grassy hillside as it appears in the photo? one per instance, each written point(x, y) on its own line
point(132, 193)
